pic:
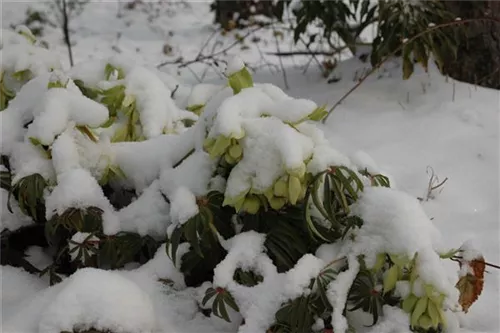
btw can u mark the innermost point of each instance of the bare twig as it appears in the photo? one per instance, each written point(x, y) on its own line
point(200, 57)
point(390, 55)
point(206, 68)
point(458, 259)
point(313, 56)
point(301, 53)
point(65, 27)
point(433, 185)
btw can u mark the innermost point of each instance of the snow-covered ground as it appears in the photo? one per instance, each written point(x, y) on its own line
point(405, 126)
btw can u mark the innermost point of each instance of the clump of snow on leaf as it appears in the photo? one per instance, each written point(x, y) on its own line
point(394, 222)
point(78, 189)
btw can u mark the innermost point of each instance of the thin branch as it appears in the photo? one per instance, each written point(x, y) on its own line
point(206, 43)
point(313, 56)
point(285, 80)
point(458, 258)
point(390, 55)
point(211, 56)
point(301, 53)
point(65, 27)
point(206, 68)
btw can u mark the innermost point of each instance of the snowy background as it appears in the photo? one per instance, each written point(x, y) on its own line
point(407, 127)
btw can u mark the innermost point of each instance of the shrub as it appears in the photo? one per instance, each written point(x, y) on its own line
point(398, 23)
point(281, 232)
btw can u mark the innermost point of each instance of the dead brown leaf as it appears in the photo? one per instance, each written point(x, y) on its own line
point(471, 284)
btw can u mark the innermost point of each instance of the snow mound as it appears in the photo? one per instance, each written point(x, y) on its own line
point(101, 300)
point(21, 285)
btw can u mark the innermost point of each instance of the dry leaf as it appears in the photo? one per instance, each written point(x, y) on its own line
point(471, 284)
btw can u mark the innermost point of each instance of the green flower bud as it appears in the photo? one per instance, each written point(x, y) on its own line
point(236, 151)
point(391, 278)
point(251, 205)
point(220, 146)
point(409, 303)
point(281, 188)
point(277, 203)
point(418, 311)
point(294, 189)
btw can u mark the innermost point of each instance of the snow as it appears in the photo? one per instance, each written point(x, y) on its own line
point(77, 188)
point(158, 153)
point(90, 298)
point(337, 294)
point(16, 219)
point(403, 125)
point(387, 212)
point(234, 66)
point(147, 215)
point(394, 321)
point(193, 173)
point(201, 93)
point(37, 60)
point(26, 159)
point(258, 304)
point(61, 107)
point(158, 113)
point(22, 286)
point(183, 205)
point(38, 257)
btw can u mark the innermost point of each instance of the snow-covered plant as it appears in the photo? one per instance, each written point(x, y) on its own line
point(24, 60)
point(278, 230)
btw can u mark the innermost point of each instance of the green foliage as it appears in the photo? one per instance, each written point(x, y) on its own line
point(299, 314)
point(5, 175)
point(365, 296)
point(335, 17)
point(399, 22)
point(201, 232)
point(28, 193)
point(221, 298)
point(298, 212)
point(6, 95)
point(240, 80)
point(247, 278)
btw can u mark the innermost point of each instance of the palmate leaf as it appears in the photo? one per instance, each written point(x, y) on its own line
point(54, 278)
point(363, 295)
point(28, 192)
point(296, 316)
point(310, 220)
point(340, 187)
point(222, 298)
point(247, 278)
point(119, 249)
point(86, 251)
point(299, 314)
point(76, 219)
point(201, 231)
point(286, 243)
